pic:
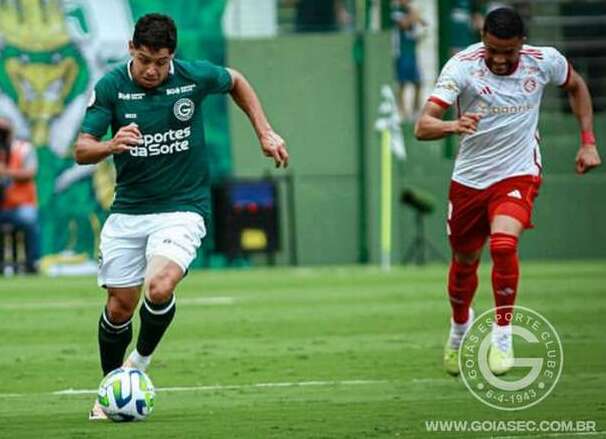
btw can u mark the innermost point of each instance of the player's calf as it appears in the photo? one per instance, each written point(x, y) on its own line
point(155, 320)
point(505, 274)
point(114, 337)
point(158, 308)
point(462, 285)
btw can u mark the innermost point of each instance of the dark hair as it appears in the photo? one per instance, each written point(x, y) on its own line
point(504, 23)
point(156, 31)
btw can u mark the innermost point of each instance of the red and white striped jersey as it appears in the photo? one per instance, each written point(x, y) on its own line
point(506, 142)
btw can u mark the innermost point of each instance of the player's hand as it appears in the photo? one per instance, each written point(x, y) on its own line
point(126, 137)
point(274, 146)
point(587, 158)
point(467, 124)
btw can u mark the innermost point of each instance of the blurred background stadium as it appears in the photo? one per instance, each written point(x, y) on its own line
point(319, 73)
point(320, 351)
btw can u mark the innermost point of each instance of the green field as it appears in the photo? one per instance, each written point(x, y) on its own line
point(292, 353)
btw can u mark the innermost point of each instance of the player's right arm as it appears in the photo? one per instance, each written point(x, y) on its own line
point(451, 83)
point(89, 148)
point(430, 125)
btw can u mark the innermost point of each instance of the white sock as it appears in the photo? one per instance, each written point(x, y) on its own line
point(139, 361)
point(501, 336)
point(458, 330)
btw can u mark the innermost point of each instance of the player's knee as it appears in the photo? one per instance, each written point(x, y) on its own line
point(469, 259)
point(120, 310)
point(466, 268)
point(503, 246)
point(462, 271)
point(161, 288)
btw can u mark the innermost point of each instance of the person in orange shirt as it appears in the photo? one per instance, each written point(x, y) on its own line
point(18, 199)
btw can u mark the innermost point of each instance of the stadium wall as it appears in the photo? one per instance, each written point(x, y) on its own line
point(307, 84)
point(309, 96)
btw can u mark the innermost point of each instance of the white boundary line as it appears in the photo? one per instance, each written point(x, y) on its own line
point(72, 304)
point(70, 392)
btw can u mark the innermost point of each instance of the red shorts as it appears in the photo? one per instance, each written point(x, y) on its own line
point(470, 211)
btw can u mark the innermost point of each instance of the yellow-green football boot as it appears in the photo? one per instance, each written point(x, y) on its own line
point(451, 349)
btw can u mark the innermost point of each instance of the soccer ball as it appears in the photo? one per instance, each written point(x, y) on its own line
point(126, 394)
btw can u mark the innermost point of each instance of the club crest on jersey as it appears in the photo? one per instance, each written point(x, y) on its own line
point(529, 85)
point(184, 109)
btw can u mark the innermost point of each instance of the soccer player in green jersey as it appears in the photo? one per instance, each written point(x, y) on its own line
point(153, 104)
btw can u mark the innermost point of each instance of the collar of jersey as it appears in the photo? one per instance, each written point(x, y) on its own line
point(513, 72)
point(509, 75)
point(171, 69)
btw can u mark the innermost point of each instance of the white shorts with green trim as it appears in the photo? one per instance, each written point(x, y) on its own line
point(129, 241)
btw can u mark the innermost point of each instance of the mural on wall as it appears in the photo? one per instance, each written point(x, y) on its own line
point(52, 53)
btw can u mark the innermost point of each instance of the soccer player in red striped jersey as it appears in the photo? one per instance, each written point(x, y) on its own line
point(496, 86)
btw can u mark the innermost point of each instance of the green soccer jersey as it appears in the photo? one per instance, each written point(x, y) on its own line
point(169, 171)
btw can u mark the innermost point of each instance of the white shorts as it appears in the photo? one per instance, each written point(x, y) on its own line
point(129, 241)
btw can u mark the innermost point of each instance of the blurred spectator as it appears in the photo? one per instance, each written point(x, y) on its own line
point(320, 15)
point(407, 25)
point(18, 200)
point(466, 22)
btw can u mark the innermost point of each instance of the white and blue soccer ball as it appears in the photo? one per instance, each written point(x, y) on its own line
point(126, 394)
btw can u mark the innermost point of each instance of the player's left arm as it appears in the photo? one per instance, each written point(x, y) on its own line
point(245, 97)
point(580, 101)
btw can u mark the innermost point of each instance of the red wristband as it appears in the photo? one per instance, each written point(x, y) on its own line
point(587, 138)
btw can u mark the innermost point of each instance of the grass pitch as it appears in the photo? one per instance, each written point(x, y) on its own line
point(291, 353)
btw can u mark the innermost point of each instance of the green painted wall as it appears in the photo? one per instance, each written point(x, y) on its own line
point(307, 85)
